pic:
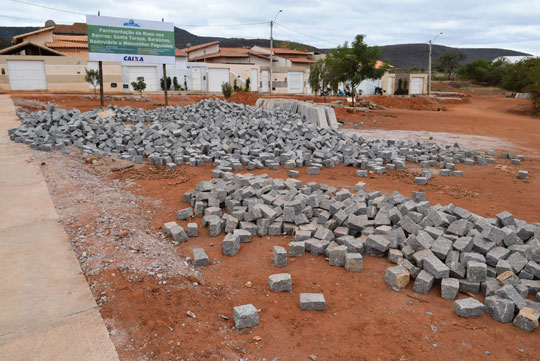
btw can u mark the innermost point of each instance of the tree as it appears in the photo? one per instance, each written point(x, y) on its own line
point(139, 85)
point(450, 61)
point(351, 65)
point(168, 83)
point(92, 77)
point(248, 84)
point(319, 77)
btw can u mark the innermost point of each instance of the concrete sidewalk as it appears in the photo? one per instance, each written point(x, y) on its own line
point(47, 311)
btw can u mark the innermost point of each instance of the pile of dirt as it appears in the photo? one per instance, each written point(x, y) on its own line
point(153, 173)
point(246, 98)
point(409, 103)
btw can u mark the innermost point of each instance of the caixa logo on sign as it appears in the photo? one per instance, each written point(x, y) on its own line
point(133, 58)
point(132, 23)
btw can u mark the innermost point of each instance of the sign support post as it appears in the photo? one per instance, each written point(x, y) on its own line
point(100, 64)
point(165, 84)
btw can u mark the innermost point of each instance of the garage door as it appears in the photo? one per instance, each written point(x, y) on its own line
point(295, 84)
point(216, 77)
point(149, 73)
point(417, 85)
point(26, 75)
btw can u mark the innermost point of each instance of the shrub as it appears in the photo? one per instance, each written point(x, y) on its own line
point(248, 83)
point(139, 85)
point(176, 85)
point(403, 87)
point(168, 83)
point(227, 90)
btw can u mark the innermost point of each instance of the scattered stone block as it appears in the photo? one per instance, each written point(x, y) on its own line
point(200, 258)
point(192, 230)
point(527, 319)
point(337, 255)
point(354, 262)
point(243, 235)
point(184, 214)
point(178, 234)
point(280, 256)
point(245, 316)
point(280, 282)
point(500, 308)
point(312, 301)
point(476, 271)
point(468, 307)
point(297, 249)
point(397, 277)
point(423, 282)
point(230, 245)
point(522, 174)
point(449, 288)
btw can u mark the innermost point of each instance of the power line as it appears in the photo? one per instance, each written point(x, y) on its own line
point(309, 36)
point(218, 25)
point(47, 7)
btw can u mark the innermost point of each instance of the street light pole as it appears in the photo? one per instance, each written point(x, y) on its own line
point(272, 50)
point(429, 63)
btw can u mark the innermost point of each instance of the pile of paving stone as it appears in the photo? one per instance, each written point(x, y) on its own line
point(233, 136)
point(431, 244)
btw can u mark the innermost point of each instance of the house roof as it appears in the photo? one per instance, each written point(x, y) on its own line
point(76, 38)
point(179, 53)
point(302, 60)
point(233, 53)
point(201, 46)
point(28, 43)
point(67, 44)
point(75, 29)
point(80, 53)
point(16, 38)
point(286, 51)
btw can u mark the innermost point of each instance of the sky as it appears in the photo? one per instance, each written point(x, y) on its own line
point(509, 24)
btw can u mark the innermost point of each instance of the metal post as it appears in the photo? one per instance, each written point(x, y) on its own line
point(100, 68)
point(271, 55)
point(165, 84)
point(429, 70)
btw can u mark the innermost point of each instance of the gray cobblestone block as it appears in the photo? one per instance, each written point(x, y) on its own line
point(422, 241)
point(436, 267)
point(419, 256)
point(476, 271)
point(419, 196)
point(483, 245)
point(420, 180)
point(313, 170)
point(215, 226)
point(262, 226)
point(354, 245)
point(357, 223)
point(465, 257)
point(493, 233)
point(200, 258)
point(275, 229)
point(441, 247)
point(316, 246)
point(397, 276)
point(312, 301)
point(457, 173)
point(169, 226)
point(377, 243)
point(532, 268)
point(280, 282)
point(496, 254)
point(423, 282)
point(491, 285)
point(231, 223)
point(178, 234)
point(324, 234)
point(302, 235)
point(230, 245)
point(362, 173)
point(280, 256)
point(184, 213)
point(297, 248)
point(460, 227)
point(250, 227)
point(510, 293)
point(527, 319)
point(192, 230)
point(508, 278)
point(502, 266)
point(413, 270)
point(445, 172)
point(210, 211)
point(337, 256)
point(427, 174)
point(522, 174)
point(243, 235)
point(354, 262)
point(517, 261)
point(435, 232)
point(500, 308)
point(294, 173)
point(253, 214)
point(506, 219)
point(300, 219)
point(468, 307)
point(468, 286)
point(408, 225)
point(449, 288)
point(245, 316)
point(394, 255)
point(199, 208)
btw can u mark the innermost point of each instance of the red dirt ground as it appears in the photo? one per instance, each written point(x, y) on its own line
point(364, 319)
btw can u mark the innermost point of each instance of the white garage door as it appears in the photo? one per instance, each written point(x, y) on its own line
point(295, 84)
point(149, 73)
point(26, 75)
point(216, 77)
point(417, 85)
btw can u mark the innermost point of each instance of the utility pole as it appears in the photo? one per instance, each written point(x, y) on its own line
point(272, 50)
point(165, 79)
point(429, 63)
point(100, 69)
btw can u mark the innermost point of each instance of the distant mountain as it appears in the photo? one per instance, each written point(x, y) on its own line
point(4, 43)
point(407, 56)
point(8, 32)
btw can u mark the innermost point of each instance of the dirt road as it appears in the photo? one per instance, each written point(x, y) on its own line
point(365, 319)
